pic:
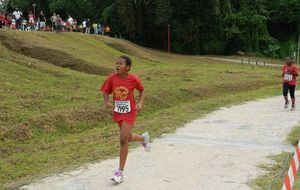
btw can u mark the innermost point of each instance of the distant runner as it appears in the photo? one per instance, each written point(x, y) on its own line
point(122, 85)
point(289, 74)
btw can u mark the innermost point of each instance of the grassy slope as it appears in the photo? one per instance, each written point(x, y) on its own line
point(52, 118)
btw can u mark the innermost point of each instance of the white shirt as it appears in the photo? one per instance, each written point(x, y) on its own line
point(70, 20)
point(17, 14)
point(84, 24)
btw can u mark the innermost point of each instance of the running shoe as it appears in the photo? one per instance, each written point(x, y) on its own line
point(146, 143)
point(117, 177)
point(293, 107)
point(286, 105)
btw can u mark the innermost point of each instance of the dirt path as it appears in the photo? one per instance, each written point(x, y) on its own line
point(220, 151)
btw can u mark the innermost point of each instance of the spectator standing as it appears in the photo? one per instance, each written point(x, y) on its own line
point(99, 28)
point(70, 23)
point(58, 23)
point(7, 21)
point(75, 25)
point(107, 30)
point(102, 29)
point(42, 21)
point(17, 16)
point(2, 20)
point(84, 26)
point(31, 20)
point(63, 25)
point(53, 21)
point(88, 26)
point(95, 28)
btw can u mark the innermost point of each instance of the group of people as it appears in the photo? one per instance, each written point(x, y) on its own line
point(71, 25)
point(18, 21)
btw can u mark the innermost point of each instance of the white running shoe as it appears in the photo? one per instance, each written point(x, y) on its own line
point(117, 177)
point(146, 143)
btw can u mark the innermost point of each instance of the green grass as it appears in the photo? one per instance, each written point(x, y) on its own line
point(294, 136)
point(275, 173)
point(53, 119)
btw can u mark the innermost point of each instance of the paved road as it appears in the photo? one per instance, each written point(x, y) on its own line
point(218, 152)
point(245, 61)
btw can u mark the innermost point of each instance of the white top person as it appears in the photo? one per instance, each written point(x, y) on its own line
point(17, 14)
point(71, 20)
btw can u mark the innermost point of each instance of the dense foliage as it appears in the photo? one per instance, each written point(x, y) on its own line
point(261, 27)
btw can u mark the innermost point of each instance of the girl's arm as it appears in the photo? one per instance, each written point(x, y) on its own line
point(107, 102)
point(295, 72)
point(141, 100)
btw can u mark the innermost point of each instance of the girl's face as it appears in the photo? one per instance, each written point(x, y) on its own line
point(289, 61)
point(121, 66)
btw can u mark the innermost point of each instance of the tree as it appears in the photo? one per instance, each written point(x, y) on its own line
point(21, 4)
point(245, 26)
point(3, 5)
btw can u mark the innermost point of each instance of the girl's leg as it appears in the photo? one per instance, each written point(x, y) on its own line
point(285, 92)
point(292, 93)
point(136, 138)
point(125, 137)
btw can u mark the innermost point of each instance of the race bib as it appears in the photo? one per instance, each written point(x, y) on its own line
point(122, 106)
point(288, 77)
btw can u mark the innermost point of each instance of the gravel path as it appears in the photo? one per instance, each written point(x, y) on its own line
point(221, 151)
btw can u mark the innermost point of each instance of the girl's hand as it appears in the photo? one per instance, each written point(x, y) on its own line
point(139, 107)
point(110, 106)
point(294, 73)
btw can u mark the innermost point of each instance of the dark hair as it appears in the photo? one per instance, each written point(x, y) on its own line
point(127, 61)
point(291, 59)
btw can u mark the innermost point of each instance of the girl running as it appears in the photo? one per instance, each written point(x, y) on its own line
point(122, 85)
point(289, 74)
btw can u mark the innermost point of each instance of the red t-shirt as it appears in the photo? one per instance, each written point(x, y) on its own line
point(289, 74)
point(123, 95)
point(7, 21)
